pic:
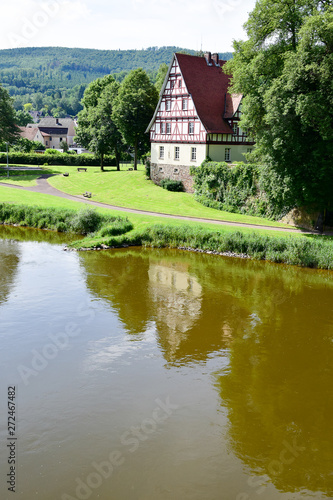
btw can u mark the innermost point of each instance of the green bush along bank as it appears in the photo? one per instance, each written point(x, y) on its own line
point(84, 221)
point(238, 188)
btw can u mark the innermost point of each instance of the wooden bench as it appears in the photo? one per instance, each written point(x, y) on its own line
point(81, 169)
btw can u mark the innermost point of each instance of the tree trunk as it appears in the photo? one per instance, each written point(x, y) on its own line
point(117, 159)
point(102, 162)
point(136, 154)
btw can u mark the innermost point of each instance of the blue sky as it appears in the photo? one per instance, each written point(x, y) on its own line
point(124, 24)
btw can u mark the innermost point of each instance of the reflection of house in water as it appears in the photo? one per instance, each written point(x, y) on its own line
point(177, 297)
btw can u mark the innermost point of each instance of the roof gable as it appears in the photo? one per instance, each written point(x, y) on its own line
point(232, 104)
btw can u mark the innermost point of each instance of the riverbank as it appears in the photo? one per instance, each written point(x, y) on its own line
point(103, 231)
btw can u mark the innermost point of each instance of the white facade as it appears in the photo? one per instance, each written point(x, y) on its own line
point(163, 153)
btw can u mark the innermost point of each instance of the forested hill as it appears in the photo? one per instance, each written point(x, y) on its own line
point(56, 66)
point(32, 73)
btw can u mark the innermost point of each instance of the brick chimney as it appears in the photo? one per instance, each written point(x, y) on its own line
point(215, 59)
point(208, 57)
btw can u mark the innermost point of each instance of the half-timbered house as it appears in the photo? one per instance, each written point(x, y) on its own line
point(195, 118)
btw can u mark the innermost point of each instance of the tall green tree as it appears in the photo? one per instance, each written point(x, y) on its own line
point(96, 128)
point(8, 128)
point(133, 109)
point(285, 71)
point(23, 118)
point(161, 74)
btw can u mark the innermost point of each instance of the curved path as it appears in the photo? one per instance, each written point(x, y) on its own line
point(45, 188)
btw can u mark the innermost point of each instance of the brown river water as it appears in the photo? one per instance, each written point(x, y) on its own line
point(142, 374)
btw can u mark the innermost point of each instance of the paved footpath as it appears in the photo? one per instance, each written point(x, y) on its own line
point(45, 188)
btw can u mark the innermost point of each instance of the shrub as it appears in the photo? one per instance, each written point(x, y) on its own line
point(172, 185)
point(52, 152)
point(86, 221)
point(119, 226)
point(147, 168)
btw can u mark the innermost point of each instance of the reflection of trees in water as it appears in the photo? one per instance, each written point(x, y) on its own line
point(41, 235)
point(9, 260)
point(279, 385)
point(120, 277)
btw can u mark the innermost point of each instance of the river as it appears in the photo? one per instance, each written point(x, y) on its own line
point(142, 374)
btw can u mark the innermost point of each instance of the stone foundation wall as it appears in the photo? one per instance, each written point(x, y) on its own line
point(179, 173)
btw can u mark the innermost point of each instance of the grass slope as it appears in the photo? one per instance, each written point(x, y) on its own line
point(130, 189)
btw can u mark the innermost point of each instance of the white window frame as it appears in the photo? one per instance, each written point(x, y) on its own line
point(161, 153)
point(235, 128)
point(162, 128)
point(227, 154)
point(191, 128)
point(177, 152)
point(167, 105)
point(193, 154)
point(184, 104)
point(168, 128)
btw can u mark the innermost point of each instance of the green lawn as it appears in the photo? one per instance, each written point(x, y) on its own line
point(12, 195)
point(131, 189)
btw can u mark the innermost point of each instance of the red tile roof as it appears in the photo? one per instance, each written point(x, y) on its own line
point(28, 132)
point(208, 86)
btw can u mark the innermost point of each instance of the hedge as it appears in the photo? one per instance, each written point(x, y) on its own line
point(87, 160)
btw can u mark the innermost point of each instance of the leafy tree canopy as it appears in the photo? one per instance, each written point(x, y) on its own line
point(96, 128)
point(285, 71)
point(133, 109)
point(161, 74)
point(8, 128)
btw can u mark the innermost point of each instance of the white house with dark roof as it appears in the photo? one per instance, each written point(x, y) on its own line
point(196, 117)
point(51, 132)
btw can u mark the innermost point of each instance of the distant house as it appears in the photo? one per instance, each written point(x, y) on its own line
point(35, 115)
point(51, 132)
point(196, 117)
